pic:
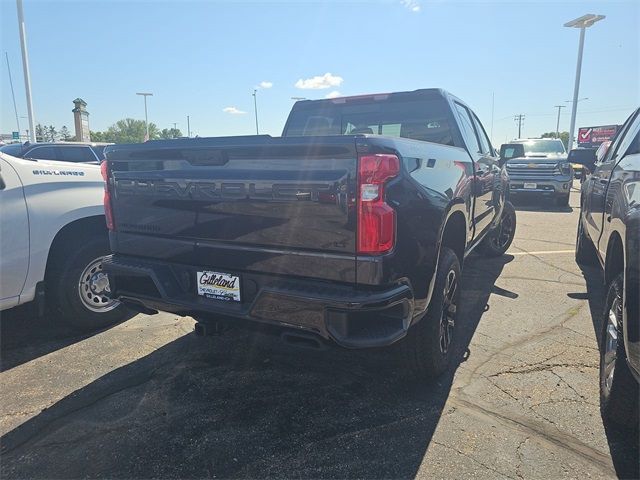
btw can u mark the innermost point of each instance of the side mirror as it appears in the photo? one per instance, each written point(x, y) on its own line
point(509, 151)
point(583, 156)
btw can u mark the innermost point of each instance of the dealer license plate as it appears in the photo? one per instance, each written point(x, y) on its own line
point(219, 286)
point(531, 185)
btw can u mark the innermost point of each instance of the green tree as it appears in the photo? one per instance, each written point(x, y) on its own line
point(564, 136)
point(168, 133)
point(129, 130)
point(52, 133)
point(40, 133)
point(64, 134)
point(97, 136)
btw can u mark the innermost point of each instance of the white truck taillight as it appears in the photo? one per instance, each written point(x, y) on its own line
point(376, 219)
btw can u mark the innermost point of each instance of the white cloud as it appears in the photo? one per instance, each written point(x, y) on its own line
point(413, 5)
point(233, 111)
point(333, 94)
point(265, 84)
point(319, 82)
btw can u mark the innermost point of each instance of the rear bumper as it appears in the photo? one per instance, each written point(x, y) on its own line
point(544, 187)
point(352, 317)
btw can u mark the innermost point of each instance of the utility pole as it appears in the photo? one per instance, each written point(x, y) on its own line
point(188, 128)
point(520, 120)
point(27, 75)
point(255, 107)
point(146, 119)
point(558, 122)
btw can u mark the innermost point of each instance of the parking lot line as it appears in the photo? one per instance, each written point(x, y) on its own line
point(542, 252)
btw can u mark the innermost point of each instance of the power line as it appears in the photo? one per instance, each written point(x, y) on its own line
point(13, 95)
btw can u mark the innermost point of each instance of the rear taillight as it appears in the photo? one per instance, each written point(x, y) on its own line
point(108, 211)
point(376, 219)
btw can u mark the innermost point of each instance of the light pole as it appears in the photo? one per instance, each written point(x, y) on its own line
point(255, 108)
point(582, 23)
point(559, 107)
point(27, 75)
point(146, 119)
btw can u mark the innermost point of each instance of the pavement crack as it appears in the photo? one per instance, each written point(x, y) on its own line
point(559, 439)
point(541, 368)
point(568, 385)
point(520, 457)
point(470, 457)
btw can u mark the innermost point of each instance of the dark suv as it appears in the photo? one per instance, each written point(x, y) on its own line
point(609, 236)
point(75, 152)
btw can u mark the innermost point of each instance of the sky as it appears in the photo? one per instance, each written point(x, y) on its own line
point(203, 59)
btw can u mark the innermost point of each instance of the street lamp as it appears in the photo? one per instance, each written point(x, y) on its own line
point(582, 23)
point(27, 76)
point(255, 107)
point(146, 120)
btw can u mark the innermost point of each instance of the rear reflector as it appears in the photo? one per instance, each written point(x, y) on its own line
point(108, 211)
point(376, 219)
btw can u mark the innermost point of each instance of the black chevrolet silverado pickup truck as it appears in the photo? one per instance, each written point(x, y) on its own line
point(609, 236)
point(350, 229)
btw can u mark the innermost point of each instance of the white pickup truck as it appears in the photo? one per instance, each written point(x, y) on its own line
point(53, 237)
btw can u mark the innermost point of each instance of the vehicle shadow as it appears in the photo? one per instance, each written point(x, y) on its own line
point(25, 336)
point(526, 204)
point(623, 445)
point(245, 405)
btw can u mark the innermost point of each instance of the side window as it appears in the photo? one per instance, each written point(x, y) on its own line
point(42, 153)
point(99, 151)
point(485, 144)
point(619, 139)
point(466, 127)
point(629, 142)
point(634, 148)
point(76, 154)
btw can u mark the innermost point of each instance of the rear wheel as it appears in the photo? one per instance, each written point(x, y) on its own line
point(427, 349)
point(618, 388)
point(585, 251)
point(498, 240)
point(78, 289)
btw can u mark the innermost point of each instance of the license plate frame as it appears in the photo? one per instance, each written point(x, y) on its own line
point(218, 286)
point(530, 186)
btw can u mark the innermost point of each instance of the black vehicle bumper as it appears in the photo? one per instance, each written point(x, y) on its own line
point(547, 187)
point(352, 317)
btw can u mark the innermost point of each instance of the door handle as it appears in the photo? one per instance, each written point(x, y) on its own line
point(604, 181)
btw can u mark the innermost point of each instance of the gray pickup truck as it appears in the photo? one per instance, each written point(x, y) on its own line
point(542, 170)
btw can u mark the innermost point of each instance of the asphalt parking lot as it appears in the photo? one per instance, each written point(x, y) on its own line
point(148, 398)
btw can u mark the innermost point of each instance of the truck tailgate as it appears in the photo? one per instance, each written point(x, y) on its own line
point(252, 203)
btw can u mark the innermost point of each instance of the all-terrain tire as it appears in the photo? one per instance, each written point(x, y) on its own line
point(498, 240)
point(427, 349)
point(71, 280)
point(618, 388)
